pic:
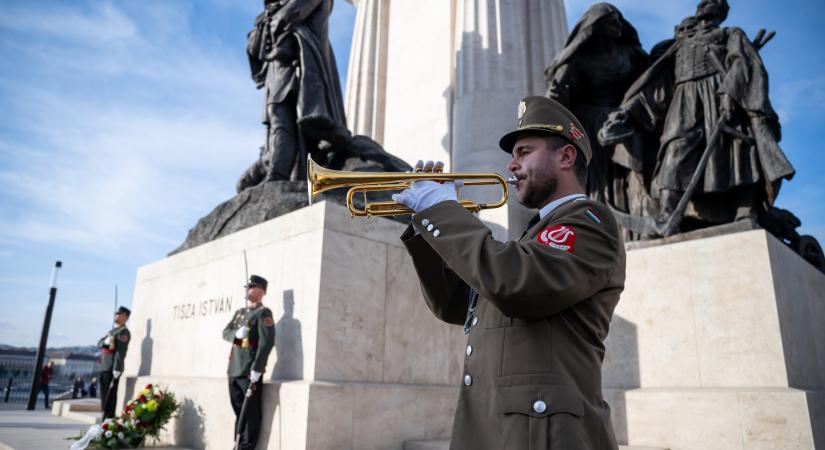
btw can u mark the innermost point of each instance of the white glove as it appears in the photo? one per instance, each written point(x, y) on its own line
point(108, 340)
point(254, 376)
point(242, 332)
point(117, 373)
point(423, 194)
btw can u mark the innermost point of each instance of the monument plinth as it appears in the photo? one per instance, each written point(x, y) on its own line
point(716, 343)
point(360, 363)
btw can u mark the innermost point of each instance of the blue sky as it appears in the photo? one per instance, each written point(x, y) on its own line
point(125, 122)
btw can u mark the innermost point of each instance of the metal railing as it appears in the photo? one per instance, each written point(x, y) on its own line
point(16, 390)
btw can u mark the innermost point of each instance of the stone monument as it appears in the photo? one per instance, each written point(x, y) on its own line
point(715, 343)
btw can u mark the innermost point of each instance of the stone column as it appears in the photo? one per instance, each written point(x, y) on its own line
point(367, 72)
point(502, 49)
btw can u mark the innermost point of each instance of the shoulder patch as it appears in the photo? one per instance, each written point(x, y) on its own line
point(560, 237)
point(124, 337)
point(593, 216)
point(269, 322)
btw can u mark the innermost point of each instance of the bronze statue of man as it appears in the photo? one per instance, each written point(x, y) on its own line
point(713, 78)
point(291, 59)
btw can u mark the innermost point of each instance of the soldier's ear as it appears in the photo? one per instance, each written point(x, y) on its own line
point(568, 156)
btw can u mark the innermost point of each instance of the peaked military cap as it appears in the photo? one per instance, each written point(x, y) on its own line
point(546, 116)
point(257, 281)
point(124, 310)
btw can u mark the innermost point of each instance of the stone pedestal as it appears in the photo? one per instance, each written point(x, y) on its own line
point(718, 343)
point(360, 362)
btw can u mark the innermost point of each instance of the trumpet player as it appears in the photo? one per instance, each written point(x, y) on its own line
point(536, 310)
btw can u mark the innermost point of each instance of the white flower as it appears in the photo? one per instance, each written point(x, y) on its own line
point(120, 435)
point(108, 434)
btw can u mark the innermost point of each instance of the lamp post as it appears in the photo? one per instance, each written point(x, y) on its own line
point(44, 336)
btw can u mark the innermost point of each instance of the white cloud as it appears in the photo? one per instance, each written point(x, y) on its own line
point(119, 164)
point(103, 25)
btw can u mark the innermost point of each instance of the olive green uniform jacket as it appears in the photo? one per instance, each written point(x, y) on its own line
point(261, 338)
point(112, 356)
point(532, 368)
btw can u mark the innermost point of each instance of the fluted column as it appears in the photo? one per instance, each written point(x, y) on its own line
point(366, 75)
point(502, 49)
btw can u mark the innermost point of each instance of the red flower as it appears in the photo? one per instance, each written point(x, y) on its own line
point(142, 398)
point(148, 386)
point(105, 426)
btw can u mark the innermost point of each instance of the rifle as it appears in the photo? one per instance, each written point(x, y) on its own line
point(112, 381)
point(250, 389)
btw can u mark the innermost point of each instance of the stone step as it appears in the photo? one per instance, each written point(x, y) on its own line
point(427, 445)
point(445, 445)
point(60, 407)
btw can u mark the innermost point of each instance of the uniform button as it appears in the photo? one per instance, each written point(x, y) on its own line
point(475, 321)
point(436, 233)
point(539, 406)
point(425, 222)
point(430, 227)
point(469, 350)
point(468, 380)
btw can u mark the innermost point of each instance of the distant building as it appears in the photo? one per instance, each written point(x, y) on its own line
point(17, 363)
point(77, 364)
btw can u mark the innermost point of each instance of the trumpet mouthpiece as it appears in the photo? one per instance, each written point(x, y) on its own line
point(512, 181)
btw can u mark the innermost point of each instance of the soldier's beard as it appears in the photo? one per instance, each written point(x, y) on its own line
point(537, 191)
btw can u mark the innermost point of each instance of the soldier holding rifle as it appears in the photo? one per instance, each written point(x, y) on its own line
point(252, 334)
point(113, 348)
point(536, 310)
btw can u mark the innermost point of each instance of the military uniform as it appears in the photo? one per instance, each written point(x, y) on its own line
point(246, 355)
point(112, 356)
point(536, 312)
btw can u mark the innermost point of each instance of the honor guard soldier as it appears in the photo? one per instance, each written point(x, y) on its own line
point(252, 334)
point(113, 348)
point(536, 310)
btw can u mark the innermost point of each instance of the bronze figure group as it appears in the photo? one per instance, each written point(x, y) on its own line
point(691, 121)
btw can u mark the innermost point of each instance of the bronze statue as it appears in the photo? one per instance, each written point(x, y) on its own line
point(291, 59)
point(601, 59)
point(706, 97)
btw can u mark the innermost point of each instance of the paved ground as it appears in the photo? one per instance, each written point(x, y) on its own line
point(36, 430)
point(39, 430)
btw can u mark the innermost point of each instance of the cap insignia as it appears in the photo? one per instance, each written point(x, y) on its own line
point(522, 108)
point(575, 133)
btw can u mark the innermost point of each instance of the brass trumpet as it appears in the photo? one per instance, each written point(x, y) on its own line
point(320, 179)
